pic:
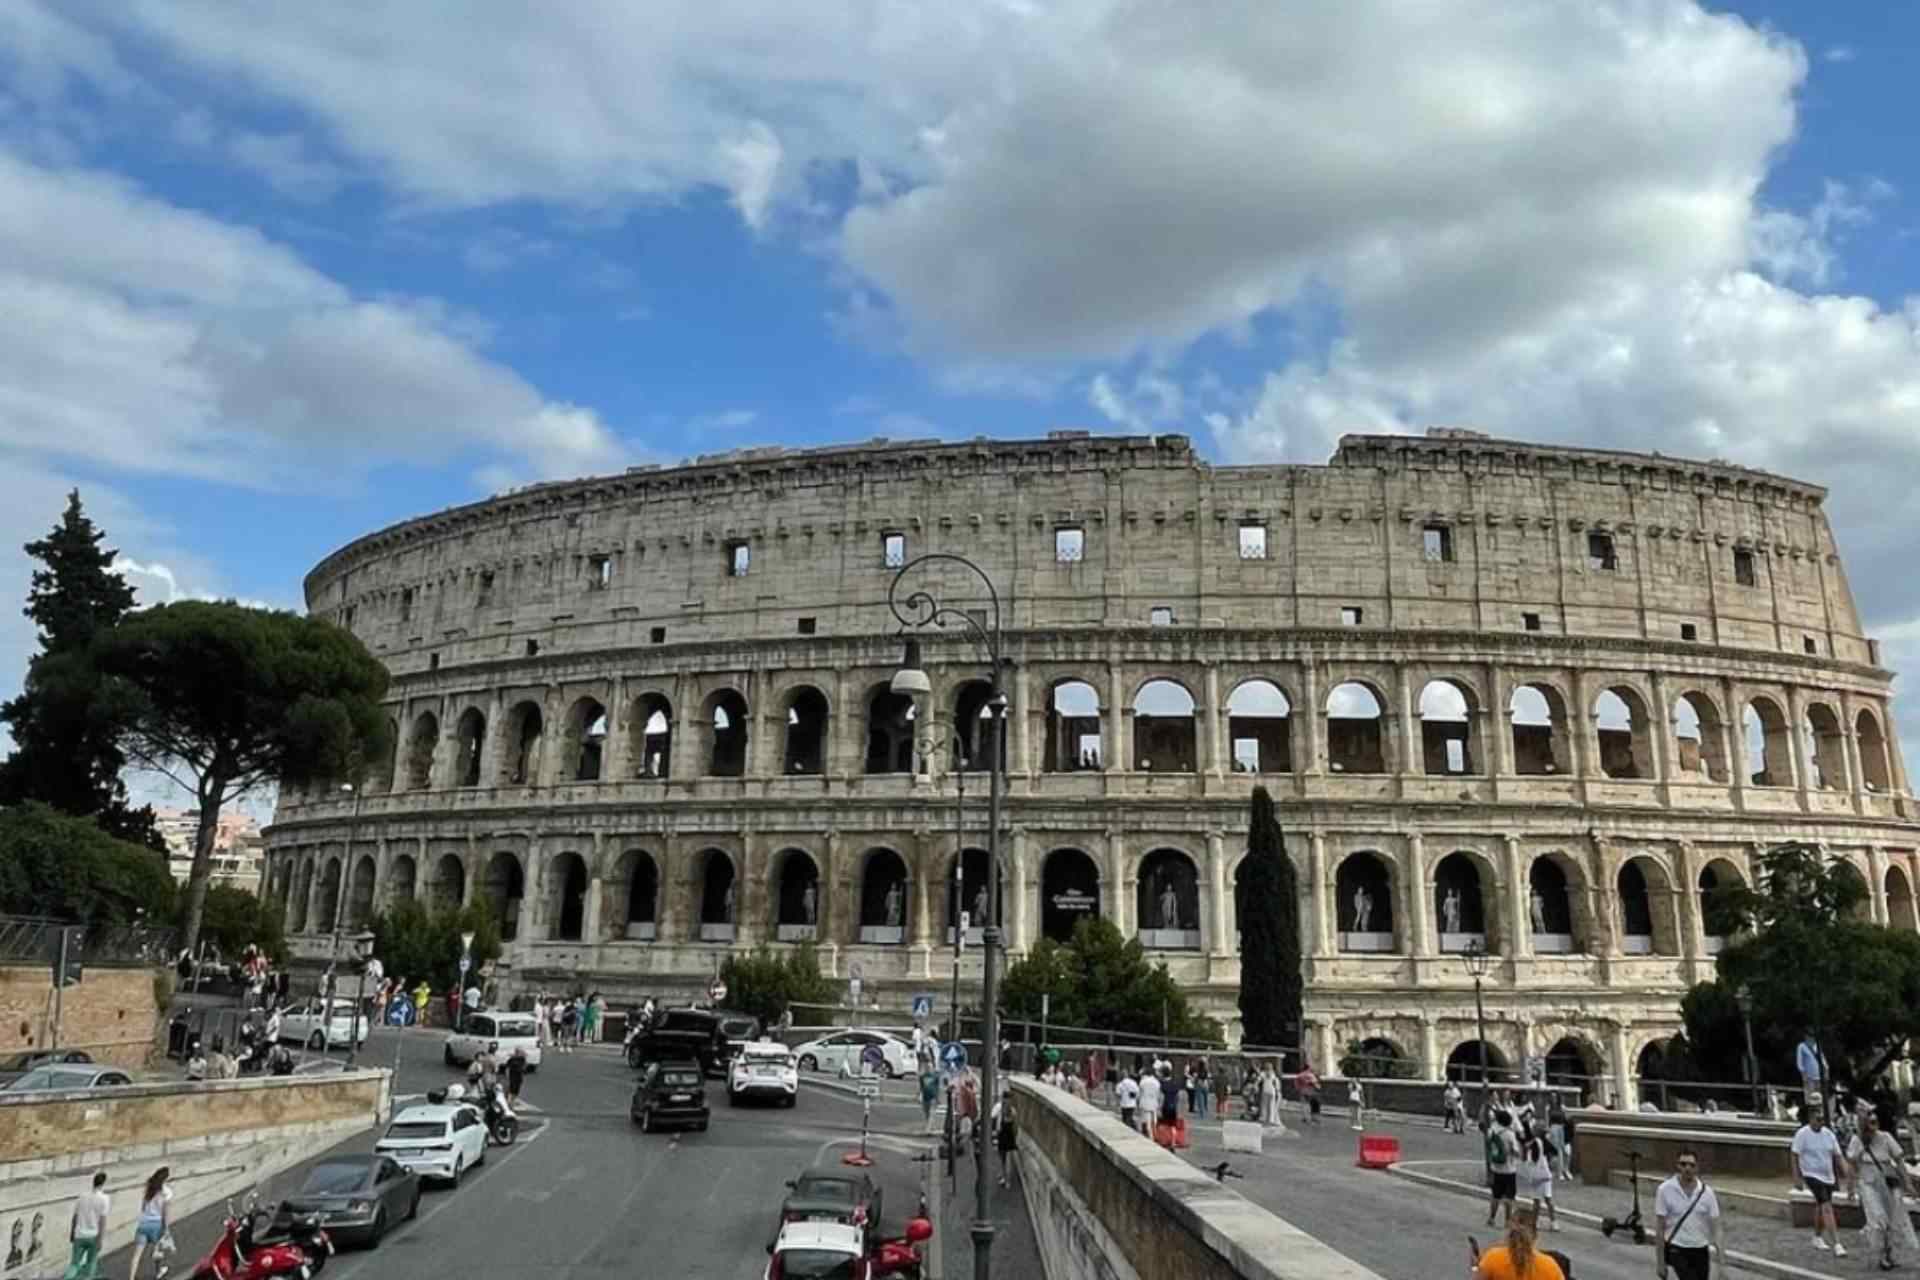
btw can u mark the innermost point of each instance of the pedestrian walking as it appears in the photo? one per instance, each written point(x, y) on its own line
point(150, 1229)
point(1453, 1113)
point(1560, 1130)
point(1517, 1257)
point(1308, 1085)
point(1149, 1102)
point(421, 995)
point(1356, 1104)
point(1127, 1093)
point(89, 1224)
point(1821, 1168)
point(1686, 1223)
point(1807, 1059)
point(1170, 1090)
point(1503, 1153)
point(1536, 1173)
point(1882, 1183)
point(929, 1094)
point(1202, 1090)
point(516, 1071)
point(1005, 1138)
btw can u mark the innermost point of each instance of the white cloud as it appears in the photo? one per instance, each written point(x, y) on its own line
point(751, 164)
point(1840, 53)
point(287, 164)
point(1152, 404)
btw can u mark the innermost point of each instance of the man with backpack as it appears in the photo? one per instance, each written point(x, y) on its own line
point(1503, 1158)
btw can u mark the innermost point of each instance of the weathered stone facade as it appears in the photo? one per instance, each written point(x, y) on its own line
point(1527, 694)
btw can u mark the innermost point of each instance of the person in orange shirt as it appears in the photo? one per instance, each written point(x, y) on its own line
point(1517, 1258)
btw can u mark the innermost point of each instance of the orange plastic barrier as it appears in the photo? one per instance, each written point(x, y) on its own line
point(1377, 1151)
point(1173, 1137)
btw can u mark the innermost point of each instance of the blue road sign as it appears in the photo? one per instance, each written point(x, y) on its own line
point(954, 1055)
point(922, 1008)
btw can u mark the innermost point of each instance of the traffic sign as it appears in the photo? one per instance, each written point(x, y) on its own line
point(717, 991)
point(922, 1008)
point(869, 1090)
point(872, 1057)
point(954, 1055)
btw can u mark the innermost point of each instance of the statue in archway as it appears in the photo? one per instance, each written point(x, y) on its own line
point(810, 904)
point(1539, 912)
point(1450, 912)
point(726, 906)
point(980, 907)
point(896, 905)
point(1362, 910)
point(1169, 904)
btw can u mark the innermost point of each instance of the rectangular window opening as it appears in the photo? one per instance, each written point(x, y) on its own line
point(1350, 616)
point(406, 605)
point(1810, 644)
point(433, 662)
point(599, 572)
point(1253, 541)
point(1069, 544)
point(1743, 572)
point(533, 648)
point(1531, 621)
point(486, 588)
point(1437, 541)
point(739, 558)
point(893, 550)
point(1600, 552)
point(1688, 631)
point(657, 636)
point(808, 626)
point(347, 618)
point(1160, 616)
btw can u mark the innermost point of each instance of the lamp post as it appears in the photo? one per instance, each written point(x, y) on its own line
point(917, 610)
point(1743, 995)
point(1477, 963)
point(362, 952)
point(956, 752)
point(466, 963)
point(346, 867)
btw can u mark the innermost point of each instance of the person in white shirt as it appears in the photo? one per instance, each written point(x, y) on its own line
point(1128, 1092)
point(90, 1210)
point(1149, 1102)
point(1821, 1169)
point(151, 1227)
point(1456, 1114)
point(1686, 1221)
point(1880, 1169)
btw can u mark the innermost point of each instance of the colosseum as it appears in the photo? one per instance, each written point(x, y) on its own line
point(1534, 697)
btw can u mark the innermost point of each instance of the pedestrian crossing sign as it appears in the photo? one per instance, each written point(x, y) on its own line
point(922, 1008)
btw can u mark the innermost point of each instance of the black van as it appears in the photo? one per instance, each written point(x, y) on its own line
point(682, 1034)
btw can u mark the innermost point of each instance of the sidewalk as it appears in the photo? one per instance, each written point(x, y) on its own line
point(1016, 1252)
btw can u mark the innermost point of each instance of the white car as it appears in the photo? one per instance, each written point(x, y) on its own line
point(508, 1030)
point(763, 1069)
point(310, 1025)
point(831, 1249)
point(844, 1052)
point(441, 1141)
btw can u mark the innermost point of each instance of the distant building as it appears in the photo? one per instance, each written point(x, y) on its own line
point(238, 850)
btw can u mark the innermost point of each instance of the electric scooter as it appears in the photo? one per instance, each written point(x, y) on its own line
point(1632, 1222)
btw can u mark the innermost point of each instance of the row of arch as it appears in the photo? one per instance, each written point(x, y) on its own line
point(1166, 735)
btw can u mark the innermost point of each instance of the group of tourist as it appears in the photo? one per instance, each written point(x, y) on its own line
point(567, 1022)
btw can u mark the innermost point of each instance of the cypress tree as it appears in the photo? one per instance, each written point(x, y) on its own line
point(1271, 987)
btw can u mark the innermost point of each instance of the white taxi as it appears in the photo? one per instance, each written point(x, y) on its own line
point(438, 1141)
point(508, 1030)
point(315, 1026)
point(829, 1250)
point(764, 1069)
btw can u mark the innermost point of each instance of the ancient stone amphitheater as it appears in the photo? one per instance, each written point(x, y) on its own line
point(1531, 696)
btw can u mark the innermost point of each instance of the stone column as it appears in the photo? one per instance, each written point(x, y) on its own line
point(1856, 776)
point(1321, 895)
point(1580, 726)
point(1431, 1068)
point(1518, 912)
point(1216, 727)
point(1877, 881)
point(1113, 879)
point(922, 932)
point(314, 889)
point(1623, 1070)
point(683, 749)
point(617, 751)
point(1220, 924)
point(1737, 759)
point(1693, 930)
point(1020, 918)
point(1019, 725)
point(1118, 722)
point(1660, 725)
point(593, 908)
point(1407, 741)
point(1797, 737)
point(845, 741)
point(532, 892)
point(1320, 1039)
point(1420, 890)
point(494, 740)
point(1310, 755)
point(764, 723)
point(749, 893)
point(553, 739)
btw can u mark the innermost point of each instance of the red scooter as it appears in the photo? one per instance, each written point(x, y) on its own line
point(236, 1255)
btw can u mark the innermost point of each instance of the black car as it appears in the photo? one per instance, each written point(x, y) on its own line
point(679, 1034)
point(356, 1198)
point(833, 1195)
point(19, 1064)
point(671, 1091)
point(736, 1029)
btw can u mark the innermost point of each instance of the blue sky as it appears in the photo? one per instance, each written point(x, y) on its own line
point(277, 275)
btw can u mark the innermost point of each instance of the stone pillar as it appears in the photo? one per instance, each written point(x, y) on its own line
point(1420, 890)
point(1117, 724)
point(553, 739)
point(1310, 754)
point(1623, 1083)
point(1320, 1044)
point(1113, 879)
point(1580, 727)
point(493, 742)
point(1321, 895)
point(1219, 764)
point(1737, 758)
point(749, 892)
point(1407, 742)
point(684, 757)
point(845, 741)
point(1019, 725)
point(1693, 930)
point(1018, 913)
point(1856, 776)
point(1660, 725)
point(532, 891)
point(1499, 723)
point(1220, 923)
point(1519, 907)
point(922, 932)
point(1797, 736)
point(617, 751)
point(593, 908)
point(314, 890)
point(1877, 882)
point(1431, 1068)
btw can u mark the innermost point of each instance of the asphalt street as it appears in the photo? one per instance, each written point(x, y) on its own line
point(584, 1195)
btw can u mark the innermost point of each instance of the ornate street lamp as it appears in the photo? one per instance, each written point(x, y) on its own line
point(362, 952)
point(917, 610)
point(1478, 962)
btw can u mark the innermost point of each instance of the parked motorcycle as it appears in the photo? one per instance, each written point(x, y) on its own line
point(503, 1126)
point(240, 1255)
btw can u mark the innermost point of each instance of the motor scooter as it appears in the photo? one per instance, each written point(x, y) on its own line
point(901, 1256)
point(503, 1126)
point(237, 1255)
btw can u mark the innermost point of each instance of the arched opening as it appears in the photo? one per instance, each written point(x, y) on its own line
point(1652, 1064)
point(506, 885)
point(806, 753)
point(1460, 903)
point(1363, 906)
point(726, 721)
point(654, 714)
point(973, 898)
point(1539, 717)
point(1769, 749)
point(1549, 907)
point(797, 898)
point(1876, 770)
point(568, 906)
point(586, 741)
point(329, 896)
point(1646, 912)
point(890, 724)
point(716, 884)
point(642, 876)
point(1716, 876)
point(1260, 728)
point(1447, 739)
point(1572, 1061)
point(1069, 893)
point(401, 879)
point(1826, 749)
point(1164, 740)
point(1356, 734)
point(470, 739)
point(1167, 903)
point(971, 723)
point(383, 779)
point(1700, 738)
point(1377, 1058)
point(1073, 728)
point(449, 887)
point(1899, 890)
point(360, 893)
point(525, 729)
point(420, 744)
point(1862, 908)
point(1467, 1063)
point(883, 898)
point(302, 895)
point(1620, 723)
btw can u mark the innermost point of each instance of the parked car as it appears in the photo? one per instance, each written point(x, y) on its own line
point(738, 1029)
point(679, 1034)
point(843, 1051)
point(69, 1075)
point(310, 1024)
point(441, 1140)
point(833, 1194)
point(671, 1092)
point(355, 1197)
point(508, 1030)
point(763, 1069)
point(826, 1250)
point(19, 1064)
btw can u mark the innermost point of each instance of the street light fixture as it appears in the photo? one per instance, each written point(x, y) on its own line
point(1478, 962)
point(917, 610)
point(362, 952)
point(341, 891)
point(1743, 996)
point(466, 963)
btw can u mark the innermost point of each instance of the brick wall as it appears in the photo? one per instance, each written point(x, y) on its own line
point(111, 1013)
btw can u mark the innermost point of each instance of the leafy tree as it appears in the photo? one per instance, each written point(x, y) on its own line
point(1811, 965)
point(1271, 987)
point(1359, 1061)
point(224, 698)
point(66, 747)
point(54, 864)
point(235, 919)
point(766, 985)
point(414, 942)
point(1102, 982)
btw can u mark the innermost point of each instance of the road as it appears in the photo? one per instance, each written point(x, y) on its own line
point(584, 1195)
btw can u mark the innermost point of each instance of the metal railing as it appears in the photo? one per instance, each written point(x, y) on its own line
point(36, 939)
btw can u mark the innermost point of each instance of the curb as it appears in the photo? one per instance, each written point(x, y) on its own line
point(1745, 1261)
